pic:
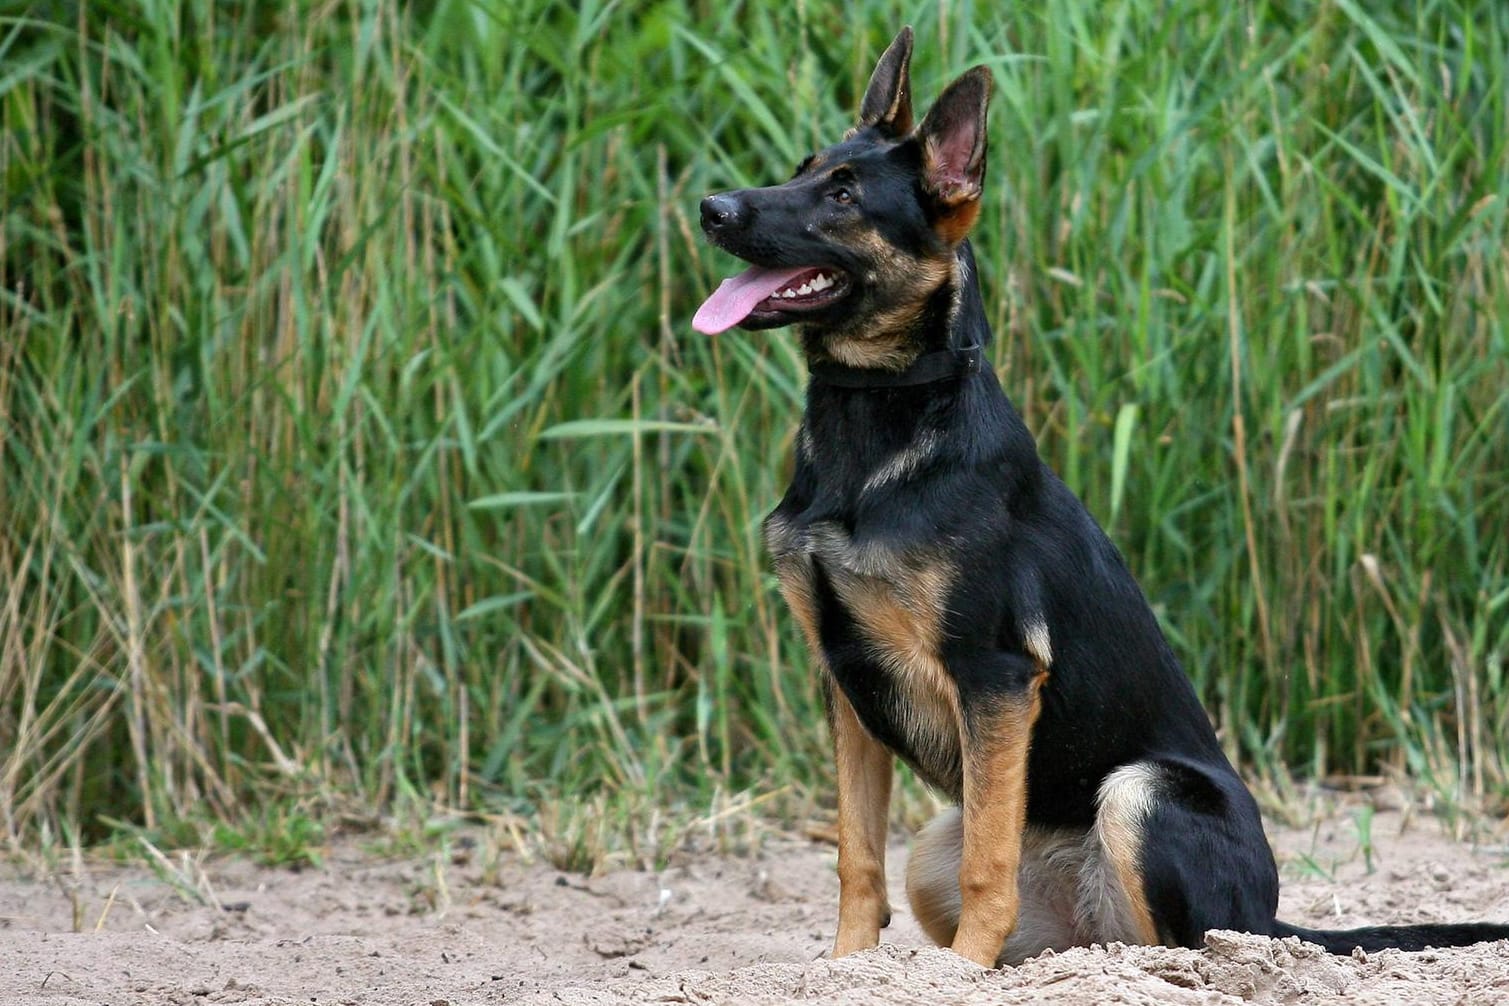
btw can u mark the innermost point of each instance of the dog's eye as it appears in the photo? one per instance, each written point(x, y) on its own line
point(841, 196)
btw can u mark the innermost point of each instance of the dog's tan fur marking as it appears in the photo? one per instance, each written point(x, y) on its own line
point(903, 621)
point(954, 225)
point(884, 339)
point(898, 602)
point(995, 818)
point(1125, 798)
point(793, 569)
point(864, 799)
point(795, 576)
point(879, 353)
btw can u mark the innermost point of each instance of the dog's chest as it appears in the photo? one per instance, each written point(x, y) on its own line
point(875, 619)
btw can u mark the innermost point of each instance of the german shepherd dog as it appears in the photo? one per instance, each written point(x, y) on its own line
point(967, 613)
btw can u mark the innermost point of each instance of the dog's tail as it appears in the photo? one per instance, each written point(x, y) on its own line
point(1344, 941)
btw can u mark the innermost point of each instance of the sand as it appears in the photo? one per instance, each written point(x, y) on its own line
point(465, 927)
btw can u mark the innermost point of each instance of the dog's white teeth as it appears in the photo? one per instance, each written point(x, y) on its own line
point(817, 284)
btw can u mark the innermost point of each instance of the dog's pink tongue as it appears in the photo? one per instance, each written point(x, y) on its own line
point(738, 295)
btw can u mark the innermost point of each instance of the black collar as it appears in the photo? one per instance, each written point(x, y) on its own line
point(926, 369)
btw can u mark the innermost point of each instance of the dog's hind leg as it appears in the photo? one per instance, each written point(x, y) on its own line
point(1112, 890)
point(1189, 840)
point(1046, 885)
point(1178, 850)
point(932, 876)
point(1174, 850)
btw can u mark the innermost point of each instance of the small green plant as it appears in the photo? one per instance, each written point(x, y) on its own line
point(1309, 866)
point(1362, 820)
point(281, 839)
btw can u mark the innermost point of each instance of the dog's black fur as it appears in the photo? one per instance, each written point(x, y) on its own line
point(970, 616)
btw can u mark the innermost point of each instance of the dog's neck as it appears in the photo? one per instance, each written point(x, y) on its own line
point(860, 419)
point(940, 338)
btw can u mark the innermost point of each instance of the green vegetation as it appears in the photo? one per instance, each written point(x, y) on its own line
point(356, 452)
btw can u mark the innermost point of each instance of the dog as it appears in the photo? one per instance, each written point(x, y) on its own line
point(966, 612)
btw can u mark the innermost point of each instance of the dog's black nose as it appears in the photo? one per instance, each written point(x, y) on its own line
point(720, 211)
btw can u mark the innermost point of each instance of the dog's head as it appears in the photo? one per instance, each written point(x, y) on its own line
point(865, 233)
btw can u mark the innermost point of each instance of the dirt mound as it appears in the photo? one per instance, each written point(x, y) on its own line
point(1234, 968)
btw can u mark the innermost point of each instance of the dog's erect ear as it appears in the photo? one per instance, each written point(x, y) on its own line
point(888, 99)
point(953, 152)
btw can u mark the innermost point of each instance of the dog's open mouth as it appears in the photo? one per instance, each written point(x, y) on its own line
point(769, 292)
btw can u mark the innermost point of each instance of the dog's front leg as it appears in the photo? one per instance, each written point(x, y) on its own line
point(996, 734)
point(864, 800)
point(864, 766)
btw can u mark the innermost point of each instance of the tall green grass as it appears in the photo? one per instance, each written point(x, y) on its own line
point(355, 448)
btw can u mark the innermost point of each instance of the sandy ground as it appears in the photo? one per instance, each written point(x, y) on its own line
point(364, 929)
